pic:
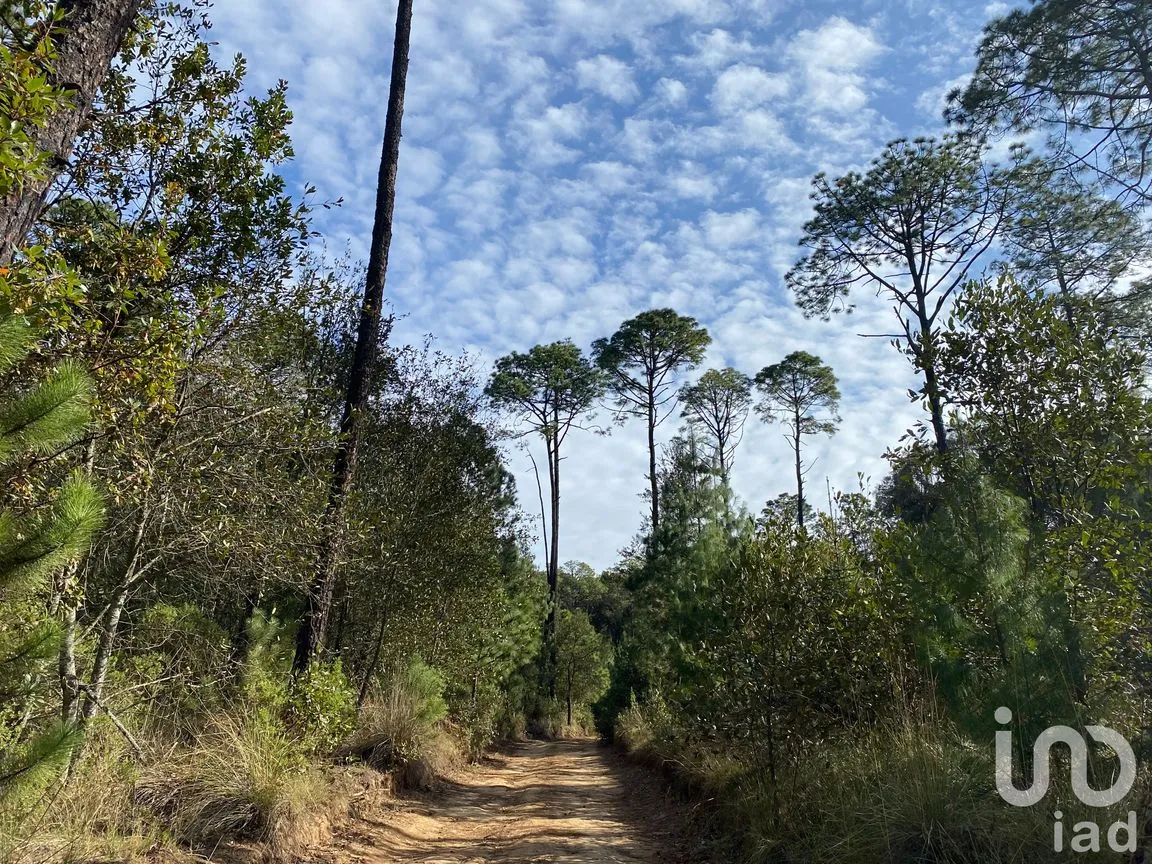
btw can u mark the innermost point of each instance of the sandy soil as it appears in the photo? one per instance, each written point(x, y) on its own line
point(562, 801)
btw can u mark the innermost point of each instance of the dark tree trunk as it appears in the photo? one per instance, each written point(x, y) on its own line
point(553, 567)
point(652, 459)
point(721, 458)
point(799, 475)
point(935, 407)
point(314, 624)
point(1066, 298)
point(370, 668)
point(89, 37)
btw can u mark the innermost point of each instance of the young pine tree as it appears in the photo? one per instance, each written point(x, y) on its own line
point(36, 421)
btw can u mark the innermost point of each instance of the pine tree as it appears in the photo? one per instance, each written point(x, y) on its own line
point(36, 421)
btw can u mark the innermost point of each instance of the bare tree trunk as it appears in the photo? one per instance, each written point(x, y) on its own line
point(653, 482)
point(66, 667)
point(554, 550)
point(314, 624)
point(569, 695)
point(89, 37)
point(370, 669)
point(936, 407)
point(927, 360)
point(553, 567)
point(95, 687)
point(64, 604)
point(721, 442)
point(799, 474)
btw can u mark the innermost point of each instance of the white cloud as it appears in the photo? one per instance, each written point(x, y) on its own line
point(830, 60)
point(671, 91)
point(719, 48)
point(542, 136)
point(637, 139)
point(727, 230)
point(741, 87)
point(933, 100)
point(609, 77)
point(693, 182)
point(531, 210)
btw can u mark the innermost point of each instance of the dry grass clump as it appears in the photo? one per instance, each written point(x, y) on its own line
point(91, 817)
point(904, 792)
point(403, 725)
point(245, 778)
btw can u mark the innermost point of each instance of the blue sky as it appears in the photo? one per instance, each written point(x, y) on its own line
point(568, 164)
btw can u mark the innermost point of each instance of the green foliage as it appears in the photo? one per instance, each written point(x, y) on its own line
point(33, 548)
point(551, 386)
point(921, 202)
point(398, 722)
point(719, 403)
point(794, 389)
point(1063, 232)
point(800, 393)
point(777, 669)
point(1055, 406)
point(641, 357)
point(321, 706)
point(602, 597)
point(911, 226)
point(584, 660)
point(27, 96)
point(245, 776)
point(911, 790)
point(1077, 71)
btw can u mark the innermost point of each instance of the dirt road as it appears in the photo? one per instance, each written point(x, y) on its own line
point(563, 801)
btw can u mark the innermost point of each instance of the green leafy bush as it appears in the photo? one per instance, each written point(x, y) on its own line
point(321, 706)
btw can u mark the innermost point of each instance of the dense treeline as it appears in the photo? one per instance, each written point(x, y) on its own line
point(833, 677)
point(175, 364)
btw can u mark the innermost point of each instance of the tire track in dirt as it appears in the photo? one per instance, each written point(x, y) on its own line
point(559, 801)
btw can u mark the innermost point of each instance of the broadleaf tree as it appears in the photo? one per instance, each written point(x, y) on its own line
point(84, 36)
point(585, 658)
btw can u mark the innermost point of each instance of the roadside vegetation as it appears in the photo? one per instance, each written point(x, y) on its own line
point(258, 561)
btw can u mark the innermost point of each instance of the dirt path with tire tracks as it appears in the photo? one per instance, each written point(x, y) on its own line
point(559, 801)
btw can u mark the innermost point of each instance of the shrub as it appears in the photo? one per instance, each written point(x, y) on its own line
point(398, 720)
point(89, 818)
point(321, 707)
point(246, 777)
point(904, 792)
point(645, 726)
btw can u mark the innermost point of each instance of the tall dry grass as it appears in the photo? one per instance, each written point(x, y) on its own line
point(909, 792)
point(245, 777)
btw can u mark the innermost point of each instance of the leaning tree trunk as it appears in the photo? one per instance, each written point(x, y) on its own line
point(89, 37)
point(314, 623)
